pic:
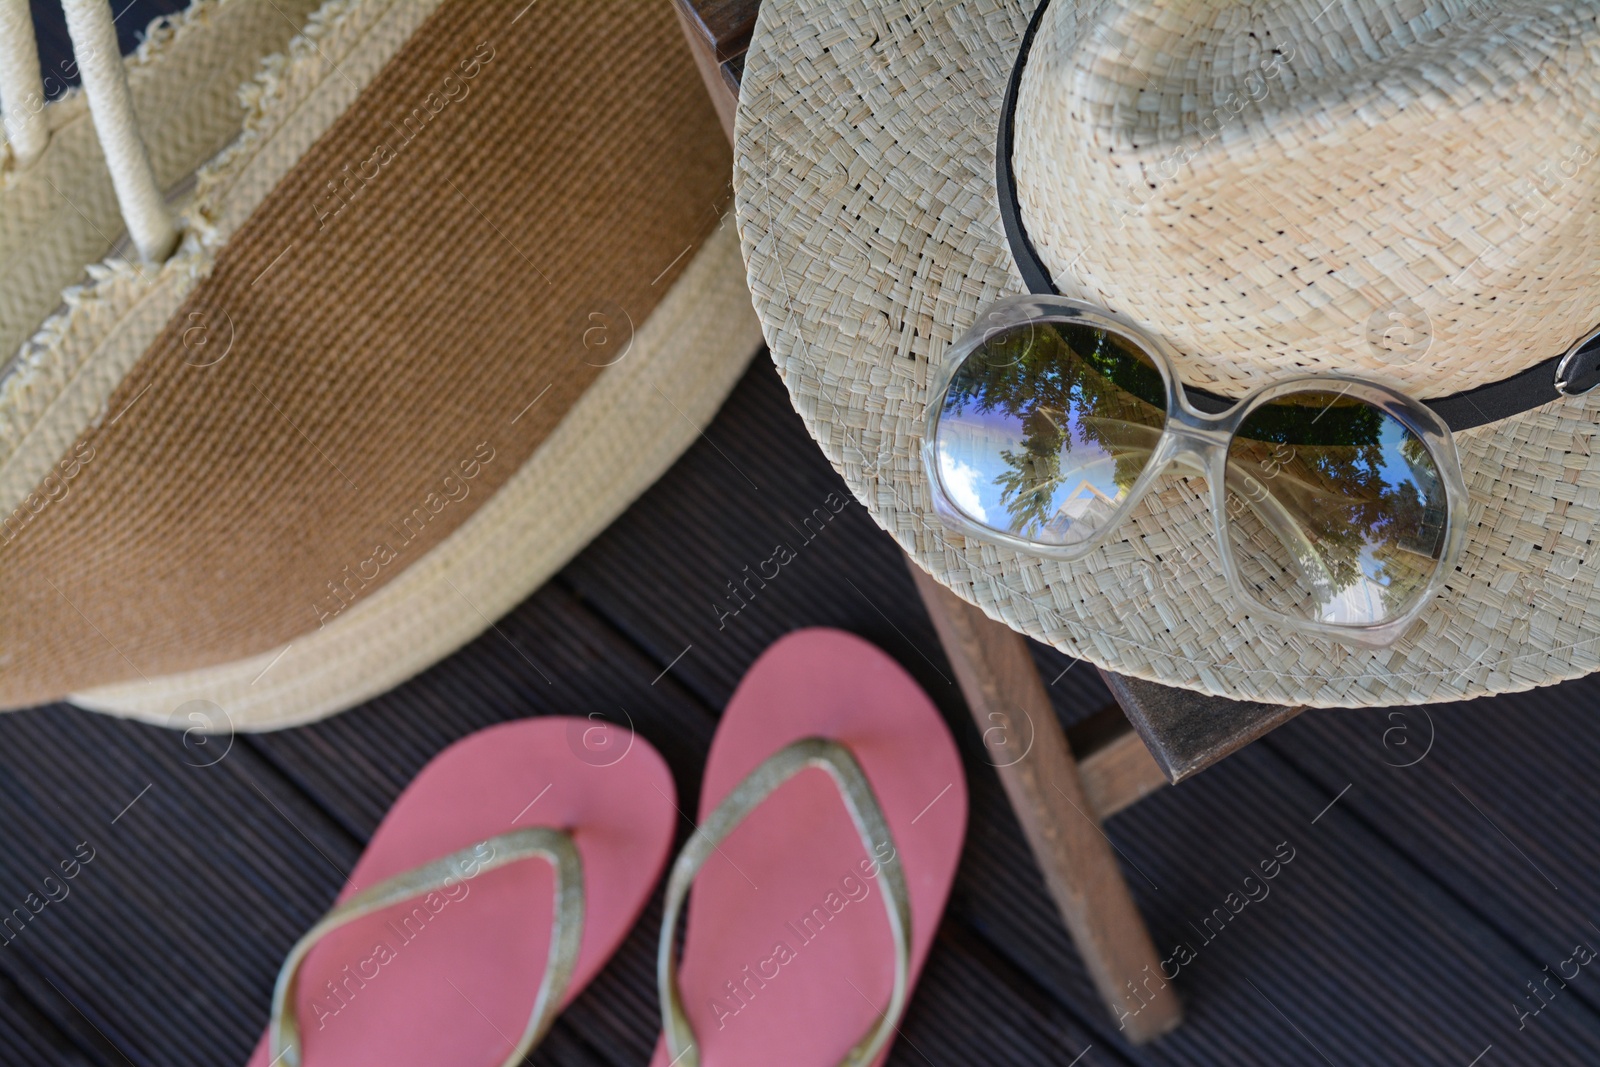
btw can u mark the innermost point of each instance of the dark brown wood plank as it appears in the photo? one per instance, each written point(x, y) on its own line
point(964, 981)
point(211, 870)
point(28, 1036)
point(1494, 800)
point(1373, 962)
point(724, 25)
point(709, 64)
point(1187, 732)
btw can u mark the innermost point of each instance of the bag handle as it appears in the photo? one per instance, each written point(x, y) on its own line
point(105, 84)
point(21, 87)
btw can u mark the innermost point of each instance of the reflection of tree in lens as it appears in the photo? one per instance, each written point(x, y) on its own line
point(1359, 487)
point(1029, 487)
point(1067, 385)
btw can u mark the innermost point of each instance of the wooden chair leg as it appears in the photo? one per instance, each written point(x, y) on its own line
point(724, 97)
point(1041, 779)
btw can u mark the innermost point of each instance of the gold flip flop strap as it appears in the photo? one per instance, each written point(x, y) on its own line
point(554, 846)
point(835, 758)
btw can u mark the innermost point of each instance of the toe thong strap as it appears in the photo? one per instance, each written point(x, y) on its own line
point(835, 758)
point(554, 846)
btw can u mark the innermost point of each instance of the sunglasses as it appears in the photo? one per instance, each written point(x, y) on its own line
point(1338, 502)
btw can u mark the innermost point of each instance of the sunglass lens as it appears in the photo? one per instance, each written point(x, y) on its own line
point(1045, 428)
point(1336, 510)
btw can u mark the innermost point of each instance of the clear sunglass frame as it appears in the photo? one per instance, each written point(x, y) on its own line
point(1199, 442)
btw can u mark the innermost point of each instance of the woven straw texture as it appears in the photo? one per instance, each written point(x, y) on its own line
point(389, 299)
point(61, 213)
point(1285, 187)
point(684, 361)
point(864, 190)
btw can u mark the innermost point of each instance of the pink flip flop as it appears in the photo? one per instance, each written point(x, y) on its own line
point(832, 816)
point(446, 947)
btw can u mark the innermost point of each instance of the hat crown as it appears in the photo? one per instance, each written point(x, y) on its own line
point(1404, 190)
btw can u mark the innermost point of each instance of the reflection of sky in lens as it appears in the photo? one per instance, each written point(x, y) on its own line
point(1395, 471)
point(969, 457)
point(965, 486)
point(970, 444)
point(1361, 601)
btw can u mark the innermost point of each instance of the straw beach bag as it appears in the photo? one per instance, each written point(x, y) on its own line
point(395, 330)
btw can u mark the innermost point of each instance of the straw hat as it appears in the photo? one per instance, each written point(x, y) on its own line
point(443, 306)
point(1401, 190)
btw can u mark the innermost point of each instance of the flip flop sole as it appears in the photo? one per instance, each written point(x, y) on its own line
point(449, 979)
point(787, 953)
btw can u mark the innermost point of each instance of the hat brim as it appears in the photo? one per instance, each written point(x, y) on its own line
point(864, 184)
